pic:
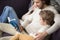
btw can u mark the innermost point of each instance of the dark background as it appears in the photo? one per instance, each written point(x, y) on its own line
point(20, 6)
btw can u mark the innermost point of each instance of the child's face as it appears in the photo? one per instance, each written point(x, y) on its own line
point(42, 22)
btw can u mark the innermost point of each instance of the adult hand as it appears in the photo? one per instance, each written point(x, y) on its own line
point(41, 36)
point(21, 28)
point(33, 7)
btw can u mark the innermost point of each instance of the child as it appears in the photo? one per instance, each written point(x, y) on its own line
point(46, 20)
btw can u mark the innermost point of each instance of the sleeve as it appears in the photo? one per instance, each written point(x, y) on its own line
point(53, 28)
point(56, 25)
point(26, 20)
point(26, 15)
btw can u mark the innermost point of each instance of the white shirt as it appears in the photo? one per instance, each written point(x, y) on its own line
point(35, 25)
point(42, 29)
point(34, 19)
point(32, 22)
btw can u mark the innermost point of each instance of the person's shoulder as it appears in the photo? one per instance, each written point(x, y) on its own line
point(51, 8)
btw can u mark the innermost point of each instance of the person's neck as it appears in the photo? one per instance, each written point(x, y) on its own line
point(45, 6)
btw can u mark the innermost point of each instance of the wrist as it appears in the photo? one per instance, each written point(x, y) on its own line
point(45, 33)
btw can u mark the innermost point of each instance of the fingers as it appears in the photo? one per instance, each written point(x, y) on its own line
point(39, 36)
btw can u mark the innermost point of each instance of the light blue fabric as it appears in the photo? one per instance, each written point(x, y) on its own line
point(8, 12)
